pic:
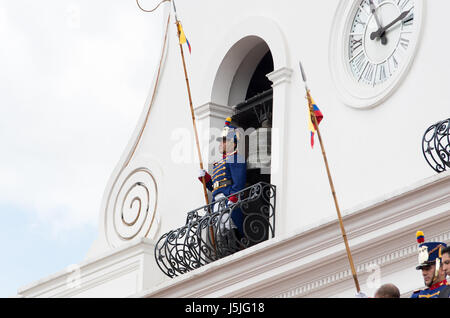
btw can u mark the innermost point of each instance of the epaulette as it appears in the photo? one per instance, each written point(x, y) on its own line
point(415, 294)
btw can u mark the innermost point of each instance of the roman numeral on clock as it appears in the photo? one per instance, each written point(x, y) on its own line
point(392, 61)
point(404, 43)
point(369, 72)
point(382, 73)
point(409, 19)
point(402, 4)
point(355, 44)
point(360, 61)
point(360, 21)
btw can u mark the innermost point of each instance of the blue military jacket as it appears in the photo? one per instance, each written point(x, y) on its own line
point(231, 168)
point(228, 177)
point(432, 292)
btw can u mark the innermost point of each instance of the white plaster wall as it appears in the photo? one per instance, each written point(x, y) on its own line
point(371, 152)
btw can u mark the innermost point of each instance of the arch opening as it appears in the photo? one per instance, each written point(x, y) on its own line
point(241, 83)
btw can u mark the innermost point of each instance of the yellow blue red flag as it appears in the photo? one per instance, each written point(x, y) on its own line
point(312, 128)
point(183, 38)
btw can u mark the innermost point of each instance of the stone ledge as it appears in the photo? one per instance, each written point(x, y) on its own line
point(111, 269)
point(381, 232)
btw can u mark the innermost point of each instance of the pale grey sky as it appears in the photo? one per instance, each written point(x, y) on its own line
point(74, 76)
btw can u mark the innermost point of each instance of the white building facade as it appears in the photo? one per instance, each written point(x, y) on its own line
point(377, 100)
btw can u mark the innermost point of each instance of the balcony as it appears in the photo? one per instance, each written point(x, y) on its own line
point(208, 234)
point(436, 146)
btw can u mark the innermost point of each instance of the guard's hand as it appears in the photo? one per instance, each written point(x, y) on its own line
point(201, 173)
point(233, 199)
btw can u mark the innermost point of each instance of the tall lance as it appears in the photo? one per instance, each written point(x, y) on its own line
point(341, 224)
point(179, 28)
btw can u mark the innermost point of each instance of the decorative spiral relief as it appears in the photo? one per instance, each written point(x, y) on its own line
point(129, 208)
point(134, 206)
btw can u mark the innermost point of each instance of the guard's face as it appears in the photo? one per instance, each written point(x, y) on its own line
point(446, 263)
point(428, 274)
point(226, 146)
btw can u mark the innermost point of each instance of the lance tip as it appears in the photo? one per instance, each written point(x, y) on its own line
point(303, 75)
point(302, 71)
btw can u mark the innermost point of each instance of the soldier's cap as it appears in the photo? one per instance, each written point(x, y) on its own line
point(229, 131)
point(428, 252)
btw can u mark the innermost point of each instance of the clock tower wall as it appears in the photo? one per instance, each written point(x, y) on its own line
point(372, 151)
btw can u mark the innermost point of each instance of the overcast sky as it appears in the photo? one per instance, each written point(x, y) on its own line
point(74, 76)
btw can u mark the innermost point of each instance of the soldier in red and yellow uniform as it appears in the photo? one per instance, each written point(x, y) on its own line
point(430, 259)
point(228, 176)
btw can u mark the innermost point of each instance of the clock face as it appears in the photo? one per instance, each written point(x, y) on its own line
point(372, 47)
point(378, 39)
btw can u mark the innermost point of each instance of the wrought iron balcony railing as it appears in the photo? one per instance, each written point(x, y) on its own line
point(208, 234)
point(436, 145)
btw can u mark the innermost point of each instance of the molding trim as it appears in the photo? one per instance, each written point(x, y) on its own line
point(115, 267)
point(212, 110)
point(280, 76)
point(298, 265)
point(391, 256)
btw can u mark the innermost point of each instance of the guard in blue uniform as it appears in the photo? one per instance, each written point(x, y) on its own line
point(430, 264)
point(229, 174)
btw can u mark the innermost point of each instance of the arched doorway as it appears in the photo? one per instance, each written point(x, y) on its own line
point(241, 83)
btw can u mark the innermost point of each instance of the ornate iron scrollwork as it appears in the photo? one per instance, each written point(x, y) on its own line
point(208, 234)
point(436, 146)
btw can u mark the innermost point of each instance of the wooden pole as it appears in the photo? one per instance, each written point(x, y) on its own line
point(330, 180)
point(205, 192)
point(341, 224)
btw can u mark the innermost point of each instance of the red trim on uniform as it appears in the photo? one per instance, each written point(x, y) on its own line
point(233, 198)
point(437, 285)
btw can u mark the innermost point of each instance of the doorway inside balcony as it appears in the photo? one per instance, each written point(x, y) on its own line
point(241, 82)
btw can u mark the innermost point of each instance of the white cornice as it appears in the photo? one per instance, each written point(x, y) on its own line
point(280, 76)
point(113, 267)
point(314, 262)
point(389, 257)
point(213, 110)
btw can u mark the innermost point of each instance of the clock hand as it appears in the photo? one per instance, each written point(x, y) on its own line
point(411, 17)
point(373, 11)
point(403, 15)
point(382, 30)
